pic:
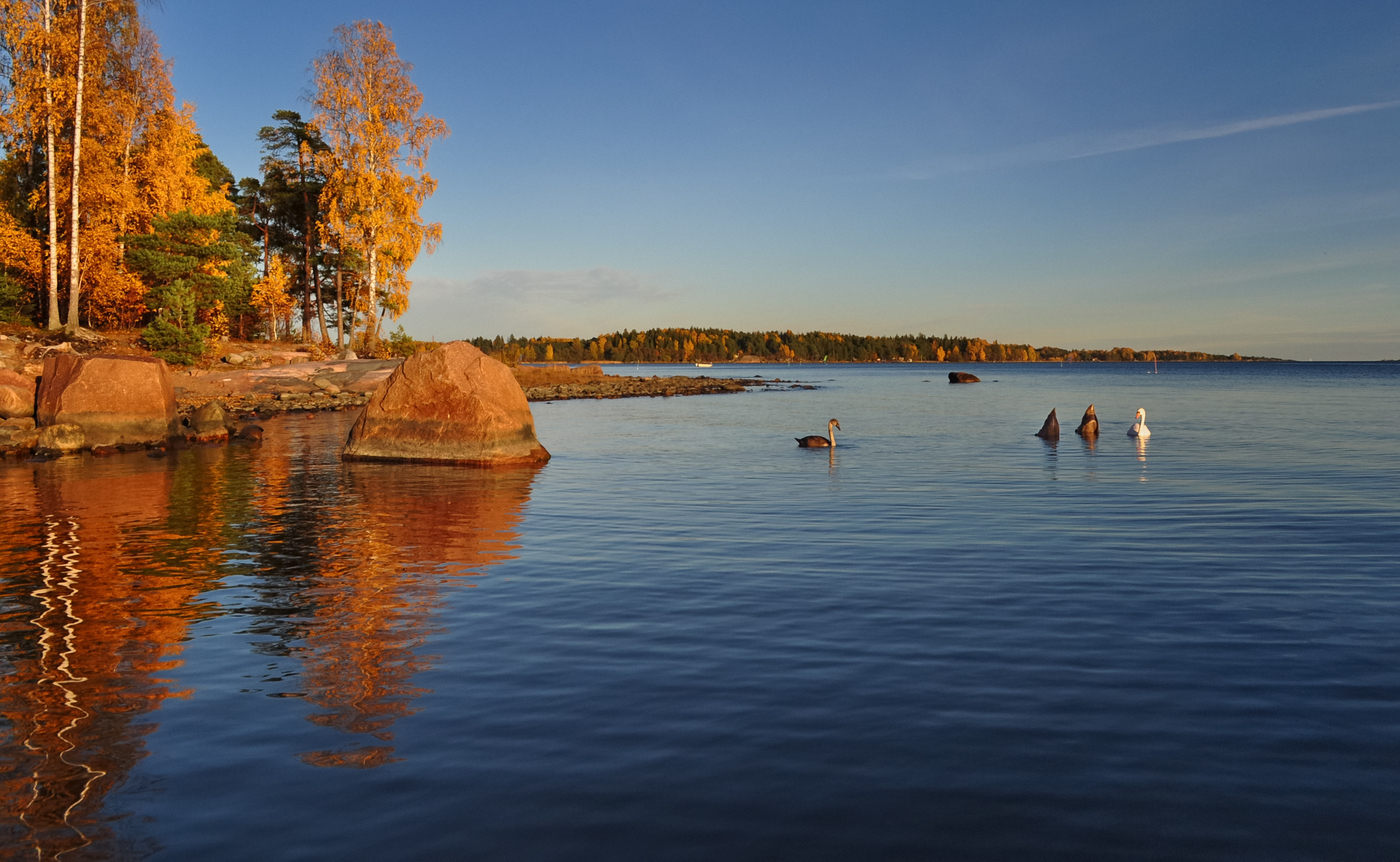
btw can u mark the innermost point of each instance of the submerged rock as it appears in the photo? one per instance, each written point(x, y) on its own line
point(1051, 429)
point(452, 405)
point(962, 377)
point(115, 400)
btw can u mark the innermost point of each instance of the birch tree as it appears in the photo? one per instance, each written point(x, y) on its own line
point(369, 114)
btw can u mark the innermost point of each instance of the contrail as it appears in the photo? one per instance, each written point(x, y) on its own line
point(1144, 139)
point(1069, 149)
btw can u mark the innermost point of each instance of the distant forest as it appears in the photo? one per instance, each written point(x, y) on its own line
point(727, 345)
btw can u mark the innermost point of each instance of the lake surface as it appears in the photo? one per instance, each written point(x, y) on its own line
point(686, 638)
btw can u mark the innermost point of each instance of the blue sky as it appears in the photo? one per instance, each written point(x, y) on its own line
point(1214, 176)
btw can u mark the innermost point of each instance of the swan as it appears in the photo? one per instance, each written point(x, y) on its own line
point(1139, 429)
point(816, 441)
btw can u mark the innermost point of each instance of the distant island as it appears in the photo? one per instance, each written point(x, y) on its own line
point(729, 345)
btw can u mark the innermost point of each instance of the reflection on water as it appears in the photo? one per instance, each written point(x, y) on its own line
point(406, 531)
point(112, 567)
point(87, 636)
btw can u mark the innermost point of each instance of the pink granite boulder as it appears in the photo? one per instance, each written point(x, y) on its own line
point(116, 400)
point(453, 405)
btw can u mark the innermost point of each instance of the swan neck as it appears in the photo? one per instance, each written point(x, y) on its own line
point(831, 435)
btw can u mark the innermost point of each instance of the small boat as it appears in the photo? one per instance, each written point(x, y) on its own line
point(704, 365)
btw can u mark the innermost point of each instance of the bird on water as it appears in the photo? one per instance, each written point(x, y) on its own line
point(817, 441)
point(1139, 428)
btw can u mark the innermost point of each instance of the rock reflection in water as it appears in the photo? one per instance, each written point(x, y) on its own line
point(406, 530)
point(353, 561)
point(106, 565)
point(101, 584)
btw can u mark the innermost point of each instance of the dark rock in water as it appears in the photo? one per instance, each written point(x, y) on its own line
point(1051, 429)
point(962, 377)
point(209, 423)
point(1089, 425)
point(452, 405)
point(102, 451)
point(113, 399)
point(250, 434)
point(17, 441)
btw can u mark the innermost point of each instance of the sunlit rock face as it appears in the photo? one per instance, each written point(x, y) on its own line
point(16, 395)
point(453, 405)
point(116, 400)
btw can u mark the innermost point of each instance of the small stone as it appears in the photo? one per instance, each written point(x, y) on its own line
point(345, 354)
point(325, 385)
point(209, 423)
point(19, 423)
point(60, 439)
point(250, 433)
point(104, 451)
point(234, 359)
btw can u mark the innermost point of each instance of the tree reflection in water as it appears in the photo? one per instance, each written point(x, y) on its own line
point(104, 571)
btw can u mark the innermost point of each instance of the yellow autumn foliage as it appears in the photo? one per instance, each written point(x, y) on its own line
point(272, 295)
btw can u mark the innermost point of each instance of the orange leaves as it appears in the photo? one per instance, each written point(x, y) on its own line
point(165, 170)
point(20, 252)
point(272, 296)
point(368, 112)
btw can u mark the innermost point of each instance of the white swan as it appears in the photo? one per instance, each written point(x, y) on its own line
point(1139, 428)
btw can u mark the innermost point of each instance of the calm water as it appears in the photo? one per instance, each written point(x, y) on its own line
point(685, 638)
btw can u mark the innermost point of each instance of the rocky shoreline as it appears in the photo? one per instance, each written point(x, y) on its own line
point(253, 389)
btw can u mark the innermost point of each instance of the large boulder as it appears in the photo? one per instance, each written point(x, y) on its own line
point(116, 400)
point(453, 405)
point(16, 395)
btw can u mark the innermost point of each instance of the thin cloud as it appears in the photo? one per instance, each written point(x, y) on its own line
point(1069, 149)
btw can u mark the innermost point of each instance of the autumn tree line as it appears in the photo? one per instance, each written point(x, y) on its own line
point(725, 345)
point(114, 214)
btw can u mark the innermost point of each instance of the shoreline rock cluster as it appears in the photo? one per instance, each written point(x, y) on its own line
point(103, 404)
point(106, 403)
